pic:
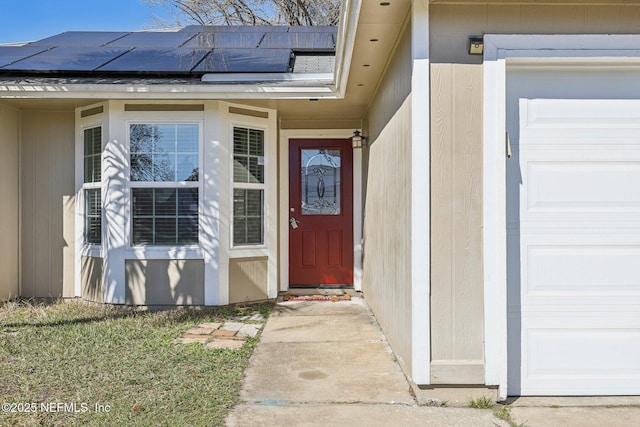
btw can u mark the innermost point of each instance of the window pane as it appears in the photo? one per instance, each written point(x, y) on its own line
point(240, 169)
point(92, 154)
point(256, 142)
point(188, 202)
point(165, 216)
point(164, 152)
point(142, 231)
point(187, 230)
point(165, 231)
point(248, 155)
point(93, 216)
point(240, 141)
point(187, 138)
point(187, 167)
point(142, 201)
point(256, 171)
point(320, 182)
point(165, 202)
point(247, 216)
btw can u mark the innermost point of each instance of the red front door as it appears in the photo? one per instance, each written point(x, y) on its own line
point(320, 212)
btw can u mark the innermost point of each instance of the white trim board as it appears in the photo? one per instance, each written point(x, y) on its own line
point(500, 52)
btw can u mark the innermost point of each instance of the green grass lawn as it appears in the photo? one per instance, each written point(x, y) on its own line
point(125, 360)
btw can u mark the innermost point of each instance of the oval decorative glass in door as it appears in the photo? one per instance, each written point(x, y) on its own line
point(320, 182)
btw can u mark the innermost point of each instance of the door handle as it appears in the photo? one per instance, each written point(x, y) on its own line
point(293, 222)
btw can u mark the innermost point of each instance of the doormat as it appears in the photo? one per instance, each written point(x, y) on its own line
point(333, 298)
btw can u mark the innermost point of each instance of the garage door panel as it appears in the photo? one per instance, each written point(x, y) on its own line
point(573, 240)
point(580, 268)
point(601, 119)
point(582, 186)
point(576, 352)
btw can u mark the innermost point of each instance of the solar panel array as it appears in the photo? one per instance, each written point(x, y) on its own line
point(193, 50)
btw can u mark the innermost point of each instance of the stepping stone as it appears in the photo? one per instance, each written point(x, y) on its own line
point(232, 326)
point(210, 325)
point(200, 331)
point(257, 317)
point(249, 330)
point(231, 344)
point(189, 340)
point(221, 333)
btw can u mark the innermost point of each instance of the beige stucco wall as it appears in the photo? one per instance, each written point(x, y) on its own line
point(247, 279)
point(456, 166)
point(387, 233)
point(164, 282)
point(48, 203)
point(9, 208)
point(92, 279)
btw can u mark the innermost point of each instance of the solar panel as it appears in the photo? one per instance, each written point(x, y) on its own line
point(67, 59)
point(153, 39)
point(312, 29)
point(10, 54)
point(149, 60)
point(225, 40)
point(246, 60)
point(298, 41)
point(234, 28)
point(80, 39)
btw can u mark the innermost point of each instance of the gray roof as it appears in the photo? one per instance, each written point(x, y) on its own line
point(171, 56)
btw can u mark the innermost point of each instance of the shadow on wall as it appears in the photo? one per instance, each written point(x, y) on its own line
point(92, 285)
point(164, 282)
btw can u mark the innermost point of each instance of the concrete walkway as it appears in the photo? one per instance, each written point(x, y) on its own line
point(328, 364)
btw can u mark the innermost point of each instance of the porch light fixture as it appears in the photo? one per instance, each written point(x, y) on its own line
point(476, 45)
point(357, 140)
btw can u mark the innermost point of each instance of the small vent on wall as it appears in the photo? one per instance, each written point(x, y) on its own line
point(92, 111)
point(163, 107)
point(246, 112)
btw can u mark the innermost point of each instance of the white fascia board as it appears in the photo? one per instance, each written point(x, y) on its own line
point(345, 43)
point(308, 78)
point(114, 91)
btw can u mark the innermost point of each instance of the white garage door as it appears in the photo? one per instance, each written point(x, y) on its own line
point(573, 226)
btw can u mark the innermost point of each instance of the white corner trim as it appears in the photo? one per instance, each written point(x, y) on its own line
point(500, 51)
point(420, 196)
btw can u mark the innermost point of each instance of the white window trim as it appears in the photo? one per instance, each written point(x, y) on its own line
point(190, 251)
point(500, 51)
point(250, 250)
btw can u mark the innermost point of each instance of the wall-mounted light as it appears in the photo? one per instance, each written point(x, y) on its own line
point(476, 45)
point(357, 140)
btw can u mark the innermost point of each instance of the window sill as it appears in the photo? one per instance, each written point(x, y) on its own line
point(93, 251)
point(164, 252)
point(249, 252)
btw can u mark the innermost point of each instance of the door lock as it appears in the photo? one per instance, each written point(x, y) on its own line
point(294, 222)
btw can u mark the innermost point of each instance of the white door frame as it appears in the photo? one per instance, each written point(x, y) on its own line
point(283, 172)
point(499, 52)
